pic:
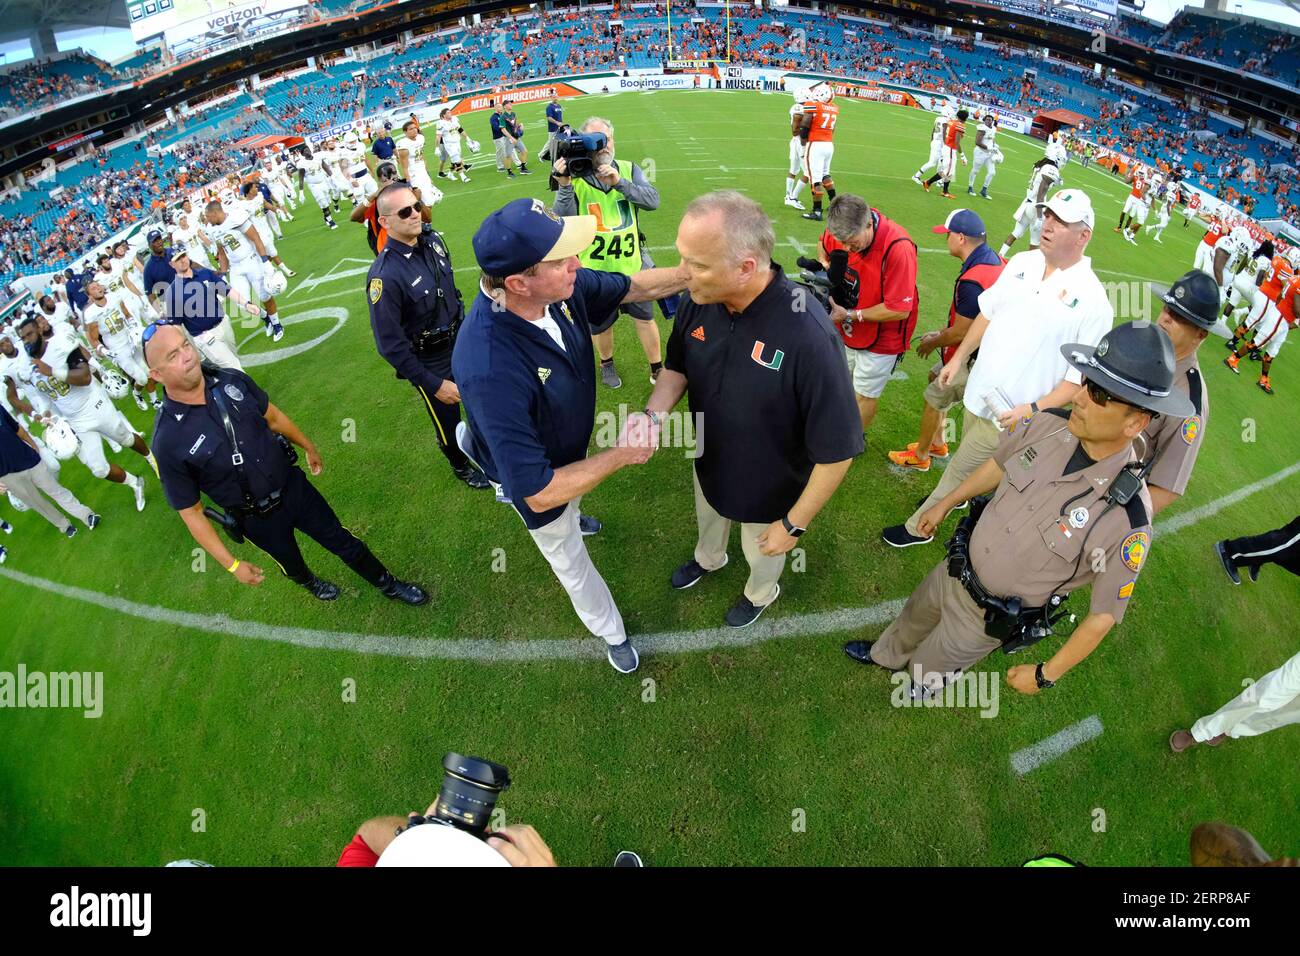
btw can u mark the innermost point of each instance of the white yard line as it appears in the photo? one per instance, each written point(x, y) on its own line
point(493, 650)
point(1045, 751)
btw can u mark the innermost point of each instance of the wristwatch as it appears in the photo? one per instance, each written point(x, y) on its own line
point(1042, 682)
point(792, 530)
point(1033, 407)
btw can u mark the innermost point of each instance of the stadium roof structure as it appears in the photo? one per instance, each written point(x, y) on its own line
point(18, 15)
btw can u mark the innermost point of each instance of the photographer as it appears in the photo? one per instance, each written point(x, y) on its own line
point(217, 435)
point(618, 189)
point(877, 308)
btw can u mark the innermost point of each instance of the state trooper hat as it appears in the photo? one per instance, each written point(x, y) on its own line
point(1193, 298)
point(1135, 363)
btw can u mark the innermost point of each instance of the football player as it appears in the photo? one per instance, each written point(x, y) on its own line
point(936, 143)
point(820, 115)
point(315, 171)
point(241, 255)
point(794, 179)
point(1029, 214)
point(952, 136)
point(1135, 204)
point(114, 332)
point(449, 134)
point(410, 164)
point(60, 369)
point(260, 208)
point(987, 155)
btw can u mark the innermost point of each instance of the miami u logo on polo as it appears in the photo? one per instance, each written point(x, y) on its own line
point(757, 356)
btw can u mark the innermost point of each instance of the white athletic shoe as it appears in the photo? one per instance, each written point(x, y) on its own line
point(793, 203)
point(140, 403)
point(288, 272)
point(137, 486)
point(464, 178)
point(916, 178)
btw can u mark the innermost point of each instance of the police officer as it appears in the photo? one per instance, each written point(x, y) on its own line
point(1190, 309)
point(415, 312)
point(1070, 507)
point(217, 434)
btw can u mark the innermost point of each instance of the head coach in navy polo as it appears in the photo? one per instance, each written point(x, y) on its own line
point(527, 377)
point(768, 383)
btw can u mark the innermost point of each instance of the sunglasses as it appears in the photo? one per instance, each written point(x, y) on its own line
point(1100, 396)
point(406, 212)
point(149, 330)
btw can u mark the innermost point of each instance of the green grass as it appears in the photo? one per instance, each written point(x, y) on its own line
point(257, 735)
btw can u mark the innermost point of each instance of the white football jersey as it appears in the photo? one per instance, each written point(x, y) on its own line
point(116, 328)
point(230, 235)
point(353, 157)
point(1238, 254)
point(1045, 173)
point(111, 278)
point(314, 168)
point(940, 124)
point(414, 148)
point(68, 400)
point(448, 129)
point(990, 136)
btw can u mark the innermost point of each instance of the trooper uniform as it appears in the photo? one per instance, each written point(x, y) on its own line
point(1173, 443)
point(1044, 532)
point(415, 313)
point(253, 480)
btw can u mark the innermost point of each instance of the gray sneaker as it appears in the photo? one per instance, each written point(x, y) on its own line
point(623, 657)
point(609, 376)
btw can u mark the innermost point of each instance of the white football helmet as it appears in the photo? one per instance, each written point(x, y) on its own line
point(472, 144)
point(1240, 237)
point(275, 282)
point(60, 439)
point(116, 385)
point(821, 93)
point(1293, 257)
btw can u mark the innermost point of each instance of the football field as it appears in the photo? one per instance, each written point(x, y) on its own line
point(257, 726)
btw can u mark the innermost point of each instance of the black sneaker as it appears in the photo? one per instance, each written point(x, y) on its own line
point(1229, 568)
point(92, 521)
point(70, 530)
point(442, 175)
point(897, 536)
point(860, 651)
point(589, 525)
point(623, 657)
point(815, 216)
point(510, 174)
point(626, 858)
point(689, 574)
point(743, 613)
point(6, 527)
point(322, 590)
point(402, 591)
point(472, 477)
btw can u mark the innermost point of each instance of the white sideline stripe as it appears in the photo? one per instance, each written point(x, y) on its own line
point(1045, 751)
point(493, 650)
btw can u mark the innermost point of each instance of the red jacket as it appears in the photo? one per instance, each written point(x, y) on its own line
point(884, 272)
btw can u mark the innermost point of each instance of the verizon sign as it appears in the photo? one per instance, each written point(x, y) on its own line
point(182, 20)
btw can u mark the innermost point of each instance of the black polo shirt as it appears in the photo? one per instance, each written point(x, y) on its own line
point(193, 452)
point(772, 390)
point(15, 454)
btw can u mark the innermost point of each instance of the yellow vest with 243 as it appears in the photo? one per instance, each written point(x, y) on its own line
point(617, 246)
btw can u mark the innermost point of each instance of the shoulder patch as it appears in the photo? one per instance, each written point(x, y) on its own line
point(1190, 429)
point(1133, 551)
point(376, 289)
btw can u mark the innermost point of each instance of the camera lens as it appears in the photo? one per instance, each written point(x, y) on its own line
point(470, 787)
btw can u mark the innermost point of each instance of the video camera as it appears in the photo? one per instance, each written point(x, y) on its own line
point(578, 150)
point(827, 283)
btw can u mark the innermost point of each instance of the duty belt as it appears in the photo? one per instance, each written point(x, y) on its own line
point(1006, 619)
point(432, 341)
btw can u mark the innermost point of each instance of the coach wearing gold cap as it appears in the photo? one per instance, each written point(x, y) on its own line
point(527, 377)
point(1070, 508)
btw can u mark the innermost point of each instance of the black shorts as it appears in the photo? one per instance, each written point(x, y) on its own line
point(641, 311)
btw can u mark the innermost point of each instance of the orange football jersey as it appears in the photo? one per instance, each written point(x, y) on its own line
point(824, 116)
point(1279, 274)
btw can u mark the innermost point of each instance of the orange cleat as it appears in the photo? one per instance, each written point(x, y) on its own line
point(936, 451)
point(907, 459)
point(1263, 383)
point(1232, 362)
point(925, 184)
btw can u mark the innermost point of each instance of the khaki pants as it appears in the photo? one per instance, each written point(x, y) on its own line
point(939, 634)
point(979, 439)
point(27, 486)
point(1272, 701)
point(711, 550)
point(561, 544)
point(217, 346)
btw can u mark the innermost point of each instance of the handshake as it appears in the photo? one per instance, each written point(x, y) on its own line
point(638, 438)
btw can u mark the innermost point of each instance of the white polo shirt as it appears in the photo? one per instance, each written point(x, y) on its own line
point(1030, 318)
